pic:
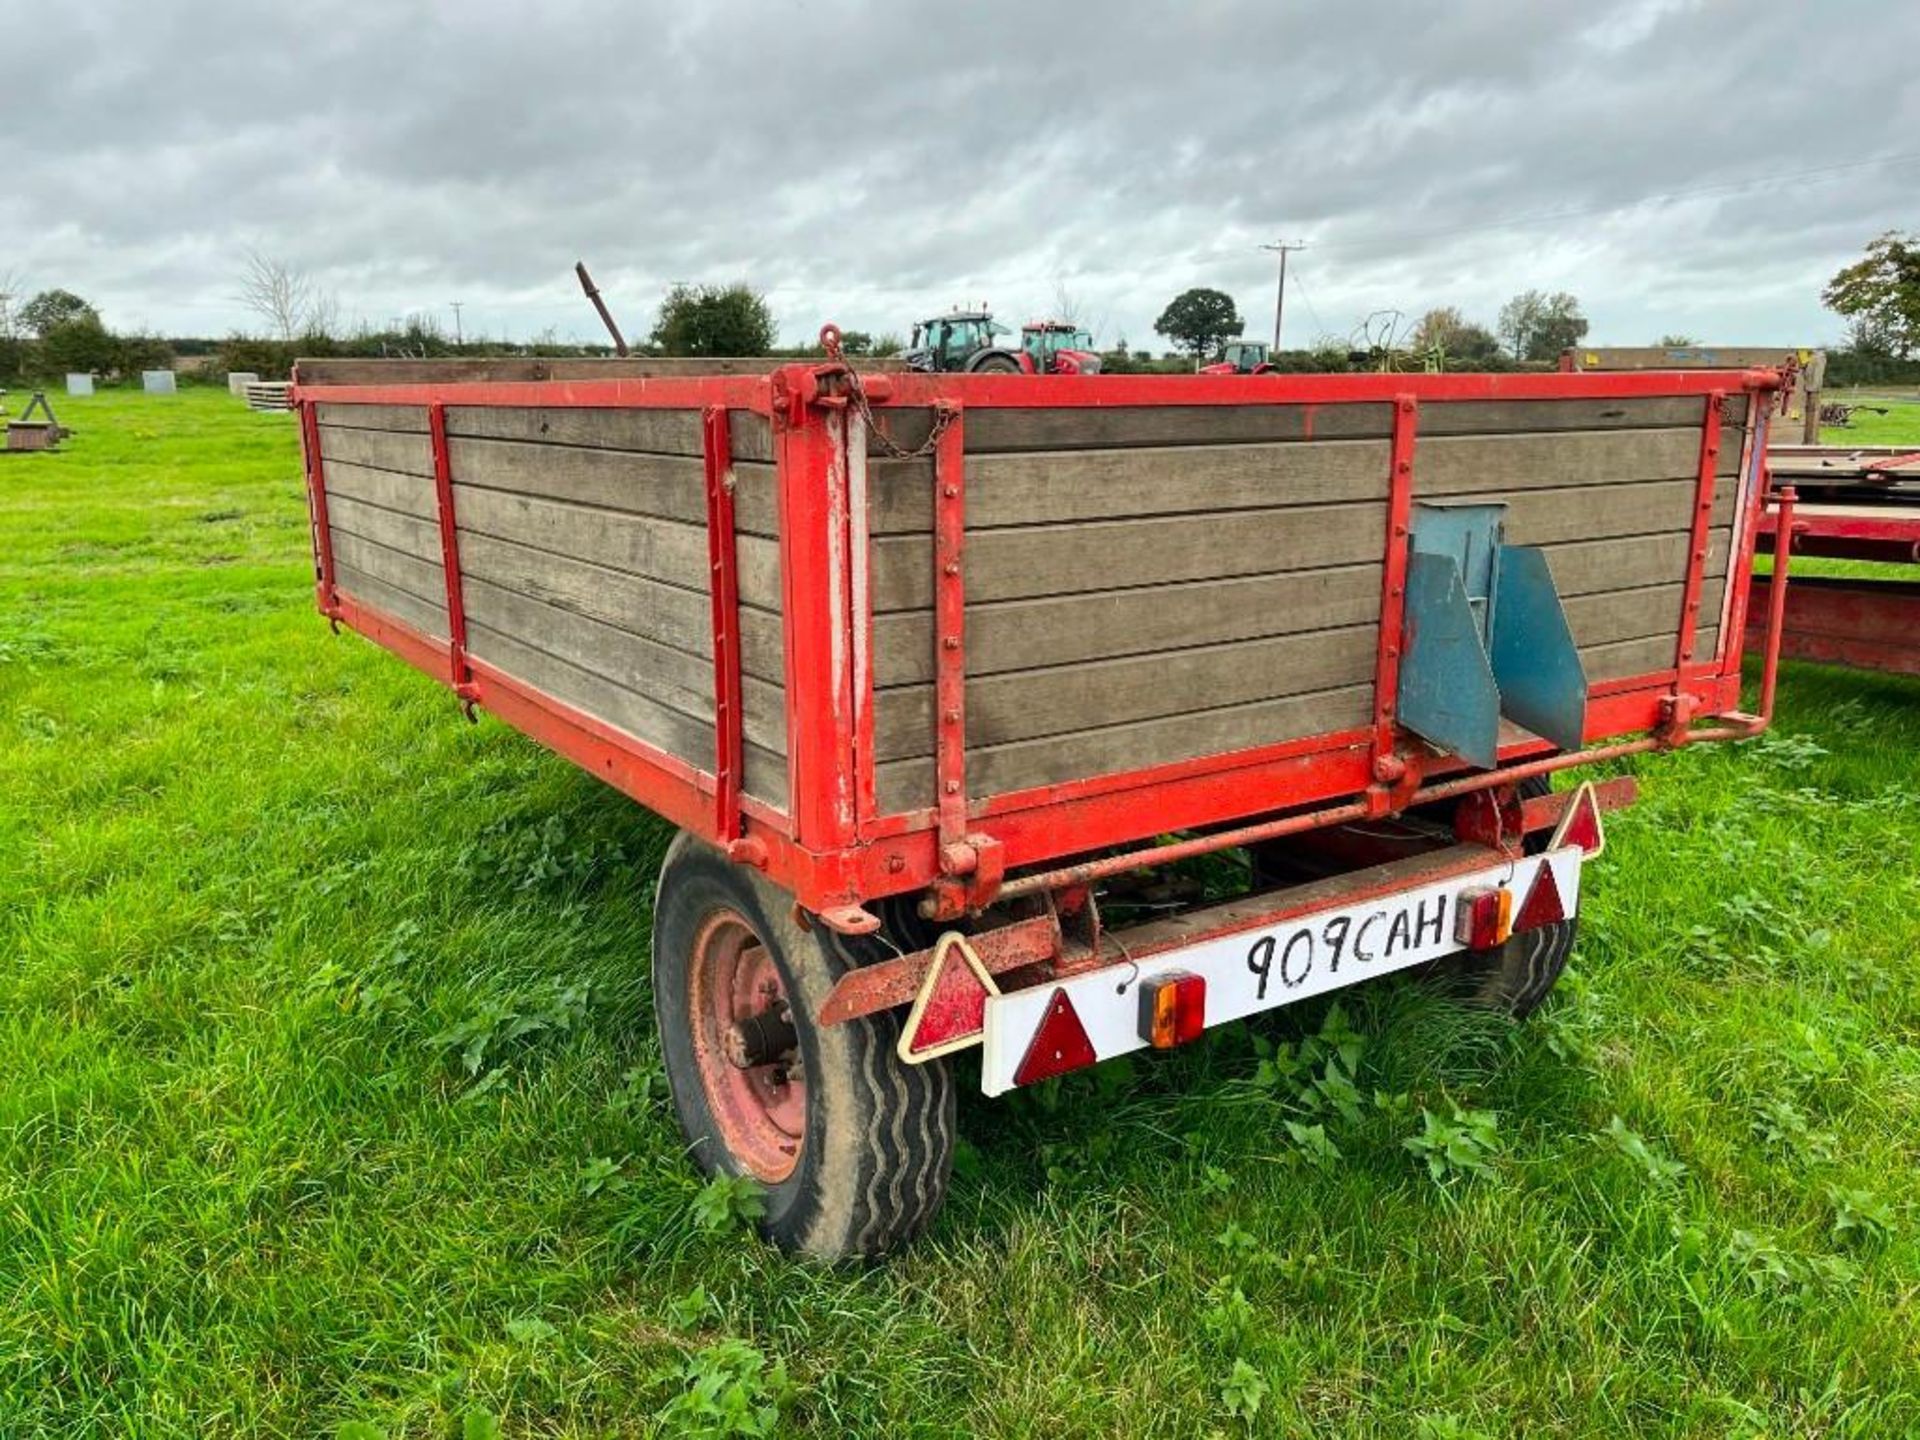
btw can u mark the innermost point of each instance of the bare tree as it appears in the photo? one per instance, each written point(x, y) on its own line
point(9, 307)
point(277, 293)
point(1067, 303)
point(1071, 306)
point(323, 314)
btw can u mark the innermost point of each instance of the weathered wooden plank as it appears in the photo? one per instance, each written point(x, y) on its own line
point(1590, 566)
point(1052, 486)
point(661, 432)
point(992, 429)
point(1028, 704)
point(1645, 656)
point(407, 452)
point(1453, 464)
point(671, 676)
point(407, 533)
point(1482, 417)
point(422, 615)
point(673, 487)
point(1600, 512)
point(639, 715)
point(640, 545)
point(749, 436)
point(1064, 486)
point(908, 784)
point(405, 418)
point(1065, 629)
point(1071, 559)
point(419, 578)
point(1607, 616)
point(666, 613)
point(409, 494)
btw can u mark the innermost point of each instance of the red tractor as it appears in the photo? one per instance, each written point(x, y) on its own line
point(1057, 347)
point(1241, 357)
point(968, 340)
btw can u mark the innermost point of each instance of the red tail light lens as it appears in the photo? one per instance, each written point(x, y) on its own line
point(1483, 917)
point(1173, 1009)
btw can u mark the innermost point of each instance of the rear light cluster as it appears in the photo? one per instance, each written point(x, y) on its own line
point(1173, 1009)
point(1485, 918)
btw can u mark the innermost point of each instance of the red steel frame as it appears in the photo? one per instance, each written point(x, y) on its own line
point(829, 846)
point(1867, 623)
point(723, 580)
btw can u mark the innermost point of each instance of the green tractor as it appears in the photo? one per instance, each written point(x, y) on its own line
point(963, 340)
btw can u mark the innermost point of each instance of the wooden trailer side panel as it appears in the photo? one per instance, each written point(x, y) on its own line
point(383, 512)
point(584, 565)
point(1147, 586)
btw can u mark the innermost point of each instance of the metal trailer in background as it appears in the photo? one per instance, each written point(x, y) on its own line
point(930, 668)
point(1856, 503)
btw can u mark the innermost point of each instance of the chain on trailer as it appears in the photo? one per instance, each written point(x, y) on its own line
point(857, 395)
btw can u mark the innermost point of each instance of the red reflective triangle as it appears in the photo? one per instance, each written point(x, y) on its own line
point(1059, 1045)
point(952, 1006)
point(1543, 903)
point(1581, 823)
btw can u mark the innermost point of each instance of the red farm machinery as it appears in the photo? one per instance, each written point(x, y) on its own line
point(969, 342)
point(1853, 503)
point(931, 668)
point(1241, 357)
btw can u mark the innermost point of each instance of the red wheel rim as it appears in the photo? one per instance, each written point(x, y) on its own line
point(760, 1109)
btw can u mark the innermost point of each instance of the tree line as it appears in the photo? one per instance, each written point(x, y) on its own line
point(56, 331)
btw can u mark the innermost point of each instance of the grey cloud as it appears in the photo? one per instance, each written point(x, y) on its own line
point(867, 162)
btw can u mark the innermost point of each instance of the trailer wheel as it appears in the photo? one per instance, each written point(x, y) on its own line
point(852, 1146)
point(1516, 977)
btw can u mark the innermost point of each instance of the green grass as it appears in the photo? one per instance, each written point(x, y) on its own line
point(1899, 426)
point(252, 875)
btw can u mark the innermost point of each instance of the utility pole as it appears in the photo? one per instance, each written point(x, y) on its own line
point(456, 304)
point(1280, 296)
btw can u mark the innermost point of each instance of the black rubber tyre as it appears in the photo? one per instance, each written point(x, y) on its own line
point(874, 1160)
point(1517, 977)
point(994, 362)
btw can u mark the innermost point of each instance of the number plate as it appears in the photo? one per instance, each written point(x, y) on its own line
point(1263, 969)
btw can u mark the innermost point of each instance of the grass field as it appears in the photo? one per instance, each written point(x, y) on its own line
point(263, 893)
point(1899, 426)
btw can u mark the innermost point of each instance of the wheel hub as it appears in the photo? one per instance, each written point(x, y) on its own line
point(747, 1047)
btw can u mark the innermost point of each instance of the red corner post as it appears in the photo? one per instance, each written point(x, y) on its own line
point(723, 586)
point(461, 672)
point(1388, 768)
point(1710, 430)
point(324, 594)
point(950, 654)
point(810, 444)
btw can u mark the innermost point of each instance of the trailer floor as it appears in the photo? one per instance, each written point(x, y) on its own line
point(328, 1092)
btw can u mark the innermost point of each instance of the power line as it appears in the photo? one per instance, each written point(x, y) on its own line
point(1307, 300)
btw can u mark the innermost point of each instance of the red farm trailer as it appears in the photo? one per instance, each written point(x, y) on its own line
point(941, 675)
point(1857, 503)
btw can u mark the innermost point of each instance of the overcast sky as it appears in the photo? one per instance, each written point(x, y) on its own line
point(1694, 167)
